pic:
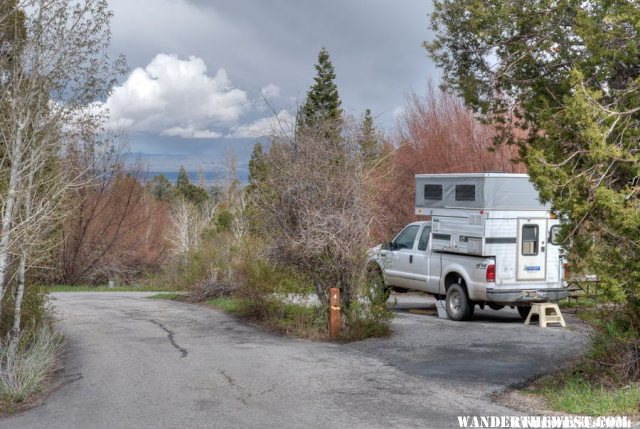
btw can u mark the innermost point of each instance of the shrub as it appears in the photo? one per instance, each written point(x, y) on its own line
point(35, 306)
point(26, 361)
point(613, 358)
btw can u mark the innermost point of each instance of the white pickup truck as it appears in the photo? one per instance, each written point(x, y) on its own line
point(476, 255)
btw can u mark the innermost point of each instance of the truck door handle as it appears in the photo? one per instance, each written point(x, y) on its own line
point(411, 259)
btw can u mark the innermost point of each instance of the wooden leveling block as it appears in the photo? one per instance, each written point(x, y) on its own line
point(545, 318)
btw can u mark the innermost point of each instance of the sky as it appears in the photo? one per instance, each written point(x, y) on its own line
point(201, 71)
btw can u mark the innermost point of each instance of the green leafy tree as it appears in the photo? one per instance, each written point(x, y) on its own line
point(562, 80)
point(322, 105)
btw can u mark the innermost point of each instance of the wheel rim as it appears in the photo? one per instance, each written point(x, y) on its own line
point(455, 302)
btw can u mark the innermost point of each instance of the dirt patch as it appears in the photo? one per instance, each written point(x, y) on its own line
point(528, 403)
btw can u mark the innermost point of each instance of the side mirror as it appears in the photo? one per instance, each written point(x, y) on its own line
point(388, 245)
point(554, 235)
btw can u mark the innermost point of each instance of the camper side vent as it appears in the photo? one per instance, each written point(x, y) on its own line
point(474, 245)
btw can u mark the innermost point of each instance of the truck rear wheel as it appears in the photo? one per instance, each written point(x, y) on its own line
point(524, 311)
point(459, 307)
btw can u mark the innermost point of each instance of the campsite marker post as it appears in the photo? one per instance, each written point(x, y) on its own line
point(334, 312)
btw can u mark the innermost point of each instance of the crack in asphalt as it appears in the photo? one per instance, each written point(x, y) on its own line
point(71, 378)
point(170, 335)
point(233, 384)
point(243, 394)
point(269, 390)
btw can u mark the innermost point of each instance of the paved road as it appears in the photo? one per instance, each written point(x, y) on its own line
point(139, 363)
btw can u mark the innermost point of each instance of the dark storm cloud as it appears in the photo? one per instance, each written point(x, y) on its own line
point(375, 46)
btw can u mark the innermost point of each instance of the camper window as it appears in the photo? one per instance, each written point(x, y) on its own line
point(405, 239)
point(433, 192)
point(529, 240)
point(465, 192)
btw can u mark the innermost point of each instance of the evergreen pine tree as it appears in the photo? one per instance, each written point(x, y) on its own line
point(257, 167)
point(370, 144)
point(183, 179)
point(323, 101)
point(189, 191)
point(161, 188)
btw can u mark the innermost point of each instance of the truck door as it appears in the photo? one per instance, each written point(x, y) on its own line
point(399, 260)
point(419, 266)
point(531, 259)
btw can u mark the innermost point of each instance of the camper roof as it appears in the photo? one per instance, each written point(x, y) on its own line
point(497, 191)
point(486, 174)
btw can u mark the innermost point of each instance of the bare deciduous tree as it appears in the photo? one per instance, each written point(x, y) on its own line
point(186, 226)
point(116, 228)
point(53, 68)
point(436, 133)
point(316, 202)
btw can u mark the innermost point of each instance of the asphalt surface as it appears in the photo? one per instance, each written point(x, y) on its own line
point(133, 362)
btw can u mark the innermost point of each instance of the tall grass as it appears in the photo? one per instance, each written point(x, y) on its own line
point(26, 361)
point(576, 395)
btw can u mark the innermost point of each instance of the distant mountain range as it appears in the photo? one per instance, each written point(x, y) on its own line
point(169, 166)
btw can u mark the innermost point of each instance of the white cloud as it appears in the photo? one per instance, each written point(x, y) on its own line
point(191, 133)
point(276, 124)
point(270, 91)
point(177, 97)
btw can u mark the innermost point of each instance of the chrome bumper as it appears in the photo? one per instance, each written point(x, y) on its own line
point(526, 296)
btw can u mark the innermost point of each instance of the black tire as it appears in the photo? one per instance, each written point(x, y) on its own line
point(459, 307)
point(524, 311)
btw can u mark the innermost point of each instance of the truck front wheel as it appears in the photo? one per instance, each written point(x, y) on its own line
point(378, 290)
point(458, 305)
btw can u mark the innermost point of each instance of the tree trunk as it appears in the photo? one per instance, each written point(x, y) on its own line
point(7, 215)
point(22, 268)
point(17, 315)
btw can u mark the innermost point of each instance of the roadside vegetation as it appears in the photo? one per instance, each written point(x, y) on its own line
point(26, 361)
point(571, 393)
point(560, 81)
point(53, 65)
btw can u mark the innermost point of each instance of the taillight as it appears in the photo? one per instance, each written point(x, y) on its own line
point(491, 273)
point(565, 271)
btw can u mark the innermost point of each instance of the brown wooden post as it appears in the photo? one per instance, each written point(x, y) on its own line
point(334, 312)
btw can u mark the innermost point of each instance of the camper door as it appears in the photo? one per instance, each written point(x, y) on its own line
point(531, 258)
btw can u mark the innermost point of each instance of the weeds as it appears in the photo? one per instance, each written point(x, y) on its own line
point(26, 361)
point(577, 395)
point(229, 305)
point(606, 381)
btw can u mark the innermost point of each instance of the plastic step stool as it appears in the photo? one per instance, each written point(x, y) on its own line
point(541, 310)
